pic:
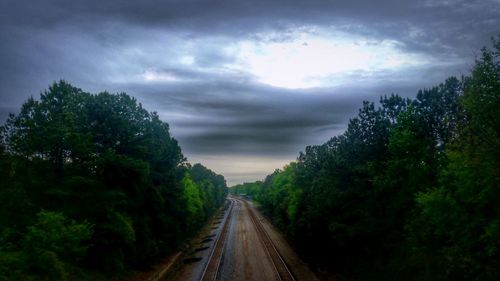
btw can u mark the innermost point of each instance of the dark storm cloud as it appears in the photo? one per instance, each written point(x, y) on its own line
point(238, 118)
point(428, 24)
point(213, 111)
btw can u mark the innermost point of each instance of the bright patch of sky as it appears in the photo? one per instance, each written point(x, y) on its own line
point(152, 75)
point(309, 60)
point(305, 58)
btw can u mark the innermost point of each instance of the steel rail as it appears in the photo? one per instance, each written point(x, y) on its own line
point(211, 270)
point(282, 270)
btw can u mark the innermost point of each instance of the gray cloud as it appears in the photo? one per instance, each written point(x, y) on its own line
point(228, 114)
point(426, 24)
point(236, 118)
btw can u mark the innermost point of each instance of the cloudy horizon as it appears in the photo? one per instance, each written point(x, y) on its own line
point(244, 85)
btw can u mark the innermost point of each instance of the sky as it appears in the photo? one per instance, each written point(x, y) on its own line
point(244, 84)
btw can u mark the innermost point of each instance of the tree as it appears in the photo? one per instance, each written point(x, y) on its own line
point(458, 223)
point(48, 247)
point(105, 160)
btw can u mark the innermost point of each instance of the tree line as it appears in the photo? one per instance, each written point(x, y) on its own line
point(410, 191)
point(94, 184)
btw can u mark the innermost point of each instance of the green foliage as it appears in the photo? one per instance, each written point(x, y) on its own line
point(104, 160)
point(52, 232)
point(409, 192)
point(194, 205)
point(12, 265)
point(212, 188)
point(458, 219)
point(250, 190)
point(48, 247)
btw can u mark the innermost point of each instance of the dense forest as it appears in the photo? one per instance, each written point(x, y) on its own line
point(94, 185)
point(410, 191)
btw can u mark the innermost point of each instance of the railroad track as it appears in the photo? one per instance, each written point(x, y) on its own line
point(281, 269)
point(211, 270)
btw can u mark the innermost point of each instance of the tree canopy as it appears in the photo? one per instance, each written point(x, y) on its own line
point(96, 182)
